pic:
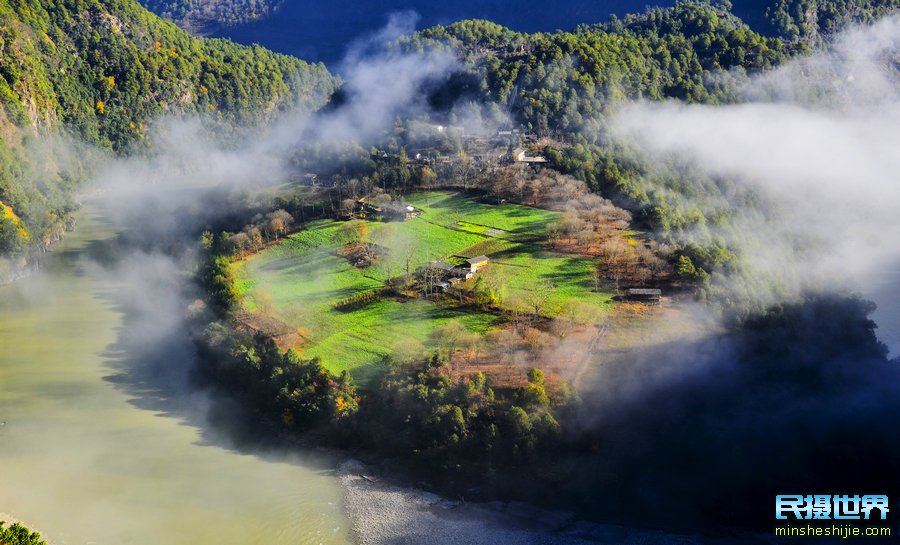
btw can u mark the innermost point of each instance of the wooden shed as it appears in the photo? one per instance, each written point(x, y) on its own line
point(644, 295)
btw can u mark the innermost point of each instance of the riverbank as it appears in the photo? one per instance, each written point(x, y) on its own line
point(383, 513)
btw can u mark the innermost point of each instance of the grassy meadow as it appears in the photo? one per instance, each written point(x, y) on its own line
point(299, 280)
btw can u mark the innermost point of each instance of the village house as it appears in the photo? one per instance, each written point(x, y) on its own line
point(519, 156)
point(400, 212)
point(477, 263)
point(442, 265)
point(364, 206)
point(412, 212)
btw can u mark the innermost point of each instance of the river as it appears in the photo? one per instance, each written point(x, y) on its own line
point(101, 445)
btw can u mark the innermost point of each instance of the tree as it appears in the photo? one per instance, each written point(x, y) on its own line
point(554, 232)
point(405, 248)
point(686, 270)
point(347, 206)
point(537, 298)
point(10, 239)
point(535, 394)
point(240, 243)
point(429, 276)
point(427, 176)
point(490, 284)
point(536, 339)
point(465, 168)
point(256, 238)
point(16, 534)
point(454, 336)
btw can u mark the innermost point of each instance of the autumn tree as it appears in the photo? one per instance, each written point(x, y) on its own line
point(256, 238)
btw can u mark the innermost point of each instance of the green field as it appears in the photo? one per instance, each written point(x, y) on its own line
point(299, 280)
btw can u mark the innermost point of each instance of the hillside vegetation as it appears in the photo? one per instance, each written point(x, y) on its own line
point(16, 534)
point(566, 81)
point(101, 70)
point(811, 20)
point(200, 15)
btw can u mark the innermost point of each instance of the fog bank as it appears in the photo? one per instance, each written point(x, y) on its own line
point(817, 138)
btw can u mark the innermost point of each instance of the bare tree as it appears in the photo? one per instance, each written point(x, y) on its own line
point(429, 276)
point(240, 243)
point(537, 298)
point(405, 248)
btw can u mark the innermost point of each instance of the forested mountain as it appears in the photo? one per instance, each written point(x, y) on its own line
point(560, 81)
point(810, 20)
point(200, 15)
point(322, 30)
point(101, 69)
point(565, 84)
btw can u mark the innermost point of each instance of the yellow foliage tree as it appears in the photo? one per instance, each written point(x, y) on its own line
point(7, 213)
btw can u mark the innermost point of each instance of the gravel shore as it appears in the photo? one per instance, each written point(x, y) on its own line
point(384, 514)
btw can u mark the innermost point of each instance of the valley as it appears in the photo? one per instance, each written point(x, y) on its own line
point(502, 270)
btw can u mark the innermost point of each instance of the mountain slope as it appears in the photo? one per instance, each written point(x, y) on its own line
point(559, 82)
point(811, 20)
point(102, 65)
point(102, 70)
point(201, 15)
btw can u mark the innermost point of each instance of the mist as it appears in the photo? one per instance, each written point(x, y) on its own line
point(685, 431)
point(701, 433)
point(817, 140)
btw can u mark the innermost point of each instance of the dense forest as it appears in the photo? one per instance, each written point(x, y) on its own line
point(810, 20)
point(100, 72)
point(203, 14)
point(565, 81)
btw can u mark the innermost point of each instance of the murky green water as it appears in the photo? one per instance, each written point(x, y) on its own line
point(94, 450)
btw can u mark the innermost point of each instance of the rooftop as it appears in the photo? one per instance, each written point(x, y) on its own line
point(643, 291)
point(477, 260)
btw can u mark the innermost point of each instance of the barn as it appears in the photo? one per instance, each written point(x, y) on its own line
point(644, 295)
